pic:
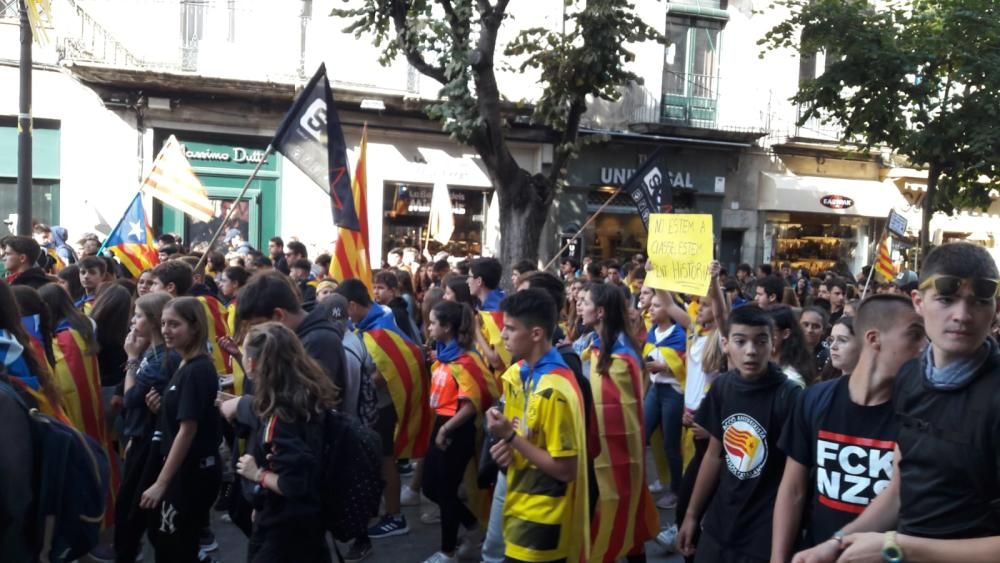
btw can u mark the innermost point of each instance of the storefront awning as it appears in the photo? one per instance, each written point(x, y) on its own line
point(831, 196)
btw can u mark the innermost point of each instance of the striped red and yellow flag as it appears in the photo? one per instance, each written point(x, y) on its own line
point(79, 380)
point(132, 240)
point(883, 264)
point(492, 328)
point(626, 515)
point(173, 182)
point(401, 363)
point(350, 256)
point(218, 326)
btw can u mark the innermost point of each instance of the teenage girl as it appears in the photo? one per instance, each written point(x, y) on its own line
point(845, 348)
point(144, 284)
point(462, 388)
point(150, 365)
point(291, 395)
point(27, 369)
point(790, 349)
point(187, 438)
point(626, 515)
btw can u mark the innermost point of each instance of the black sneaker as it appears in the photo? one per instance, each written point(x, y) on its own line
point(206, 542)
point(405, 467)
point(222, 503)
point(389, 526)
point(358, 551)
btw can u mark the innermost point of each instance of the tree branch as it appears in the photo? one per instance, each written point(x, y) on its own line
point(561, 157)
point(398, 10)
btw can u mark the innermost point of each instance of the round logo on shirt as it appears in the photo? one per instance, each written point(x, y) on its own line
point(745, 444)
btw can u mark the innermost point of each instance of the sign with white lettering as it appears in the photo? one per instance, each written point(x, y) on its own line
point(896, 224)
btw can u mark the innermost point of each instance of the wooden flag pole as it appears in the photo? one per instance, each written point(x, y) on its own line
point(232, 210)
point(579, 232)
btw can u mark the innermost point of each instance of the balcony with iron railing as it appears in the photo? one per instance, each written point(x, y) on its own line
point(690, 99)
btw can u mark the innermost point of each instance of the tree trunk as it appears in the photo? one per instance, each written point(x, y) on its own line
point(933, 172)
point(522, 220)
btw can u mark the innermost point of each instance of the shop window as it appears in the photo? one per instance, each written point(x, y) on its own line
point(691, 70)
point(817, 243)
point(44, 202)
point(406, 212)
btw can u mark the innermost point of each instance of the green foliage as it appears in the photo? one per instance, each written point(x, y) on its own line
point(919, 76)
point(455, 43)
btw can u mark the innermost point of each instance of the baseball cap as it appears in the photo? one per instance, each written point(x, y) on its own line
point(906, 280)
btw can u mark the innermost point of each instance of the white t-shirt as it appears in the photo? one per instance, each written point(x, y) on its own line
point(697, 380)
point(663, 376)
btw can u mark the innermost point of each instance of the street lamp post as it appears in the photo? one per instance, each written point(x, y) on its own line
point(24, 175)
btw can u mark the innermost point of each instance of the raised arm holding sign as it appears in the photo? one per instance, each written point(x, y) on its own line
point(680, 249)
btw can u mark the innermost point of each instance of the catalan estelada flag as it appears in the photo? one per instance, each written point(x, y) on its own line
point(172, 181)
point(883, 264)
point(350, 256)
point(218, 326)
point(626, 515)
point(78, 378)
point(673, 349)
point(132, 240)
point(491, 326)
point(401, 363)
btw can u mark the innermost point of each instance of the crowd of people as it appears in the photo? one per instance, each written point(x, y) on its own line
point(785, 416)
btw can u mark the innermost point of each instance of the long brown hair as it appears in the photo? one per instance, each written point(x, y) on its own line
point(192, 312)
point(61, 306)
point(614, 323)
point(10, 320)
point(460, 319)
point(288, 383)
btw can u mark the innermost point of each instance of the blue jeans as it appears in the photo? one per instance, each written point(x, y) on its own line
point(663, 406)
point(493, 544)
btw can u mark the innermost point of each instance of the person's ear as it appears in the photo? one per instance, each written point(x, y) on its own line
point(279, 315)
point(873, 339)
point(918, 301)
point(725, 344)
point(171, 288)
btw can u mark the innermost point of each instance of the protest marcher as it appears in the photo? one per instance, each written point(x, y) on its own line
point(541, 439)
point(791, 352)
point(484, 285)
point(187, 439)
point(743, 412)
point(92, 270)
point(940, 503)
point(25, 359)
point(291, 398)
point(850, 414)
point(845, 348)
point(814, 322)
point(386, 292)
point(20, 260)
point(144, 284)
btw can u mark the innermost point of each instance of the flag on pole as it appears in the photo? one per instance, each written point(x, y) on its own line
point(311, 137)
point(132, 240)
point(350, 256)
point(173, 182)
point(442, 221)
point(883, 264)
point(39, 18)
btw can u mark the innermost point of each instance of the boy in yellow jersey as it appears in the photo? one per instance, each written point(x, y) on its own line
point(542, 441)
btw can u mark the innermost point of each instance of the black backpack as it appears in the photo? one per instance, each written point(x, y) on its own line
point(351, 485)
point(72, 475)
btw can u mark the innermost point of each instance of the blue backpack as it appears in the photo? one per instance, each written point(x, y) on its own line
point(71, 479)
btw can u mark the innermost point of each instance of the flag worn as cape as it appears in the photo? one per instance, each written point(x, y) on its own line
point(626, 515)
point(491, 325)
point(132, 240)
point(79, 380)
point(673, 348)
point(218, 326)
point(401, 363)
point(12, 354)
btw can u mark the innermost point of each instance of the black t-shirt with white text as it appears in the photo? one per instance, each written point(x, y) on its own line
point(747, 417)
point(849, 447)
point(191, 395)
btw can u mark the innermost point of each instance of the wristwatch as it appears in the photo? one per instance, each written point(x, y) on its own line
point(891, 552)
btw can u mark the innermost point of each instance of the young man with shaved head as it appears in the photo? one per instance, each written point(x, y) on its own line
point(843, 431)
point(941, 503)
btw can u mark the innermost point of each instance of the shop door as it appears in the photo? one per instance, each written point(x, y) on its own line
point(730, 250)
point(249, 218)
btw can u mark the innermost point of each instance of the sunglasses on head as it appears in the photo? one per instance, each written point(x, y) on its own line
point(947, 286)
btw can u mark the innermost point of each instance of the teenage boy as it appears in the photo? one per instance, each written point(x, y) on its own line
point(743, 412)
point(941, 504)
point(92, 270)
point(404, 419)
point(295, 251)
point(843, 431)
point(769, 292)
point(838, 295)
point(484, 282)
point(541, 439)
point(302, 276)
point(276, 248)
point(20, 259)
point(386, 293)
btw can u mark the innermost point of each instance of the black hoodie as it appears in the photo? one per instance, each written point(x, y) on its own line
point(322, 342)
point(33, 277)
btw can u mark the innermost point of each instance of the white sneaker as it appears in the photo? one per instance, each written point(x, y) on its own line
point(469, 550)
point(668, 538)
point(431, 516)
point(409, 497)
point(656, 487)
point(440, 557)
point(667, 501)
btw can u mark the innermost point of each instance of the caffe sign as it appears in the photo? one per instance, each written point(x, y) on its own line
point(837, 201)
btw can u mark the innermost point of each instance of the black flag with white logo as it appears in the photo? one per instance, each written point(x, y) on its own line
point(311, 137)
point(648, 187)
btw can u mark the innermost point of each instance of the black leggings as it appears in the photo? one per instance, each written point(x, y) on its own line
point(302, 542)
point(443, 474)
point(140, 472)
point(176, 524)
point(687, 487)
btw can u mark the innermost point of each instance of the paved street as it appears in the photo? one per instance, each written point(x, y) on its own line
point(414, 547)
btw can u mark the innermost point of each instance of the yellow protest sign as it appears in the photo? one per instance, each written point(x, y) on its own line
point(680, 248)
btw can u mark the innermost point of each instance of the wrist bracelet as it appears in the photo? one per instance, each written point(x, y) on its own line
point(261, 475)
point(132, 364)
point(509, 439)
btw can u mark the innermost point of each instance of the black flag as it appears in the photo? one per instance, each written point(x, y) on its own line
point(310, 136)
point(648, 187)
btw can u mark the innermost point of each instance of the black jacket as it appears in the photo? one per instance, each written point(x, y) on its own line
point(322, 342)
point(16, 466)
point(401, 312)
point(32, 277)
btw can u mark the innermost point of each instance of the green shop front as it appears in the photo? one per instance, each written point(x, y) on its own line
point(44, 169)
point(696, 178)
point(223, 163)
